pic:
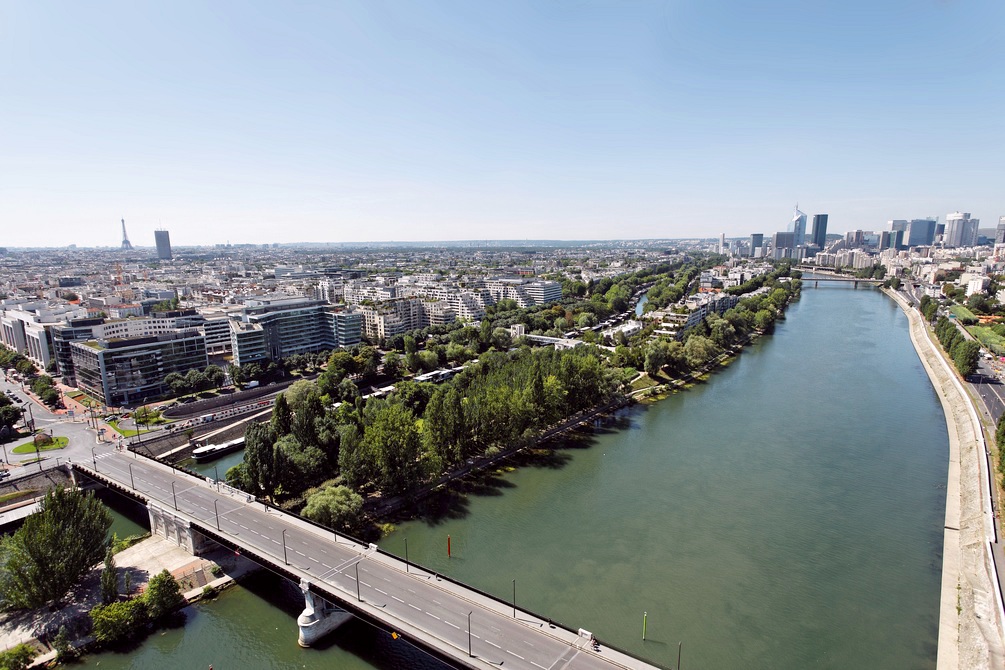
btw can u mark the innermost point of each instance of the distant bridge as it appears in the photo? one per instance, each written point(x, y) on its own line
point(456, 623)
point(831, 277)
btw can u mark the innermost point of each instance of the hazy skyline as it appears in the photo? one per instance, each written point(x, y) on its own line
point(574, 119)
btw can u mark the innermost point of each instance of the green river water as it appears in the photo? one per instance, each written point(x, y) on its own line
point(786, 514)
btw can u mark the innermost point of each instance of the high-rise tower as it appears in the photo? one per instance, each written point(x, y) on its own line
point(798, 227)
point(126, 246)
point(163, 244)
point(819, 230)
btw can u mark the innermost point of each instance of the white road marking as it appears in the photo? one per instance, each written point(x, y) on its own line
point(414, 607)
point(398, 599)
point(493, 644)
point(452, 625)
point(379, 591)
point(434, 616)
point(517, 655)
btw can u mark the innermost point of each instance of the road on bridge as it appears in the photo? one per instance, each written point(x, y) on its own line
point(435, 612)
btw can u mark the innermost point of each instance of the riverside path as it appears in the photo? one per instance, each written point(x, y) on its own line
point(465, 627)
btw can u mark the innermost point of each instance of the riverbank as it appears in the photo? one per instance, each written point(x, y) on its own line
point(971, 631)
point(140, 562)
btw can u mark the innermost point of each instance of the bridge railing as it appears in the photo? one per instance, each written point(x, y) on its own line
point(363, 545)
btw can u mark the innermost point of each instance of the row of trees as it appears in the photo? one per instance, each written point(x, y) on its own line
point(12, 360)
point(196, 380)
point(392, 445)
point(963, 351)
point(45, 389)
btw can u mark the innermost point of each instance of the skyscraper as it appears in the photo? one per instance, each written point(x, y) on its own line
point(1000, 232)
point(757, 241)
point(163, 244)
point(819, 233)
point(961, 230)
point(798, 227)
point(920, 232)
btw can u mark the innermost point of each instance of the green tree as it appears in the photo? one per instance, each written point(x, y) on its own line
point(53, 549)
point(18, 657)
point(119, 620)
point(258, 456)
point(965, 354)
point(337, 507)
point(216, 376)
point(163, 595)
point(393, 365)
point(391, 436)
point(297, 393)
point(61, 643)
point(109, 579)
point(282, 418)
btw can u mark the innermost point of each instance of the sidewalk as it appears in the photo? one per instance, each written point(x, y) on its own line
point(970, 635)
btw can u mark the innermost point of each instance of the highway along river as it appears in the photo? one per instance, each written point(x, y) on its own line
point(785, 514)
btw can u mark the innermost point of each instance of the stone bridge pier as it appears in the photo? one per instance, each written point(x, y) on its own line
point(318, 618)
point(165, 523)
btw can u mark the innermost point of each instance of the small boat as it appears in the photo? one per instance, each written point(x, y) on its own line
point(211, 451)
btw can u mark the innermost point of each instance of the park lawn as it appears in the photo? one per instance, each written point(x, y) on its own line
point(29, 447)
point(124, 432)
point(17, 496)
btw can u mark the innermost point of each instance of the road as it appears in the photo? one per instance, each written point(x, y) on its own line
point(408, 599)
point(75, 428)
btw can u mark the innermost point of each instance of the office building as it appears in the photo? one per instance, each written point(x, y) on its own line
point(131, 370)
point(818, 234)
point(163, 240)
point(1000, 231)
point(270, 329)
point(961, 230)
point(798, 228)
point(919, 232)
point(756, 242)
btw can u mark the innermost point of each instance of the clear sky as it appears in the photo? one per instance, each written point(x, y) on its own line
point(554, 119)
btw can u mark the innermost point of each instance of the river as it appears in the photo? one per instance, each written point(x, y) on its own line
point(787, 513)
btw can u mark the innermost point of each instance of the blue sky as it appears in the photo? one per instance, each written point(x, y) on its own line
point(562, 119)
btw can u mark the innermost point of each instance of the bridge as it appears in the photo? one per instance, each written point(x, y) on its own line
point(456, 623)
point(828, 276)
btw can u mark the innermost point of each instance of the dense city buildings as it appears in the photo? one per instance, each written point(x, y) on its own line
point(116, 322)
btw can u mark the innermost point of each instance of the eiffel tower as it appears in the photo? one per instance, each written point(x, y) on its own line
point(126, 246)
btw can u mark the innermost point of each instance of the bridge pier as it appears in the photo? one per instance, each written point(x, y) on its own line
point(318, 618)
point(166, 524)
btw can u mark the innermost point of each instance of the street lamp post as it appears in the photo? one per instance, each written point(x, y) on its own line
point(175, 496)
point(215, 509)
point(469, 636)
point(94, 460)
point(285, 557)
point(358, 597)
point(216, 474)
point(132, 482)
point(514, 598)
point(406, 555)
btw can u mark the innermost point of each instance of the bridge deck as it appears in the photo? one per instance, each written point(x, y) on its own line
point(432, 611)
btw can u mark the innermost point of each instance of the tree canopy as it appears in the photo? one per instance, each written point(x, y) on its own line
point(54, 549)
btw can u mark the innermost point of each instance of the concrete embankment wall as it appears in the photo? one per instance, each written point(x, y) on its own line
point(971, 626)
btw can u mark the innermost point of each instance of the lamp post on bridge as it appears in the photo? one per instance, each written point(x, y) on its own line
point(175, 496)
point(514, 598)
point(94, 460)
point(215, 509)
point(132, 482)
point(469, 636)
point(285, 557)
